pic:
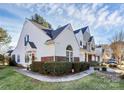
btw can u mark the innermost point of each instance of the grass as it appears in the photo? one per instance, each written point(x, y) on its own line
point(11, 80)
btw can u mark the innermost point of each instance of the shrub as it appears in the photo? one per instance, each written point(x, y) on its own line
point(80, 66)
point(56, 68)
point(94, 63)
point(1, 59)
point(104, 69)
point(122, 76)
point(96, 68)
point(12, 62)
point(35, 66)
point(77, 67)
point(112, 66)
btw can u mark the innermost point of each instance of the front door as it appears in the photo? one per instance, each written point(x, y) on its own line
point(29, 57)
point(89, 58)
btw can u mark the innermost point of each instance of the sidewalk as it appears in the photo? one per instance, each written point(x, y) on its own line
point(54, 78)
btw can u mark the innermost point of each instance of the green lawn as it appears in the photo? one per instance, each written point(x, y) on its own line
point(9, 79)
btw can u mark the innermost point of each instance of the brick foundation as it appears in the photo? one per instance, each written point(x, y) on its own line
point(57, 58)
point(60, 58)
point(48, 58)
point(76, 59)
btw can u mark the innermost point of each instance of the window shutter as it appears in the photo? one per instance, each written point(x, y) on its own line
point(25, 41)
point(27, 38)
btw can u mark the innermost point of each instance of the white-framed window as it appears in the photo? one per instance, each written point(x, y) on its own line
point(69, 54)
point(18, 58)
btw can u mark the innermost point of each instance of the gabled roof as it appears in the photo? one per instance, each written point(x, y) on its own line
point(90, 39)
point(56, 32)
point(32, 45)
point(9, 52)
point(50, 32)
point(82, 29)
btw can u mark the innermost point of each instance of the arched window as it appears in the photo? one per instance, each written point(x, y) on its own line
point(69, 53)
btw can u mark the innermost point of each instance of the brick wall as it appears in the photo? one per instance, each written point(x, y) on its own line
point(60, 58)
point(76, 59)
point(57, 58)
point(48, 58)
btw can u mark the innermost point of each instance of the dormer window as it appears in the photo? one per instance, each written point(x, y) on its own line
point(80, 43)
point(26, 39)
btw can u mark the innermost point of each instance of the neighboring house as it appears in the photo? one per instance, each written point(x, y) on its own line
point(104, 51)
point(86, 44)
point(37, 43)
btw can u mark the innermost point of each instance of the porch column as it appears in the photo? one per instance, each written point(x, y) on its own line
point(87, 57)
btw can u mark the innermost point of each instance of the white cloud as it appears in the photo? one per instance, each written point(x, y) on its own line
point(95, 15)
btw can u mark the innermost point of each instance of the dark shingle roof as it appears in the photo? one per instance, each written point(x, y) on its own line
point(90, 39)
point(82, 29)
point(9, 52)
point(56, 32)
point(32, 45)
point(50, 32)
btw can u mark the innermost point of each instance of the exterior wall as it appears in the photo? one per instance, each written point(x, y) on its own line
point(38, 37)
point(92, 44)
point(98, 52)
point(82, 56)
point(93, 58)
point(64, 39)
point(51, 52)
point(79, 37)
point(58, 59)
point(86, 36)
point(47, 58)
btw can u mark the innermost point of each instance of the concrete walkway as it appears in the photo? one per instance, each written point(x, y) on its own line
point(54, 78)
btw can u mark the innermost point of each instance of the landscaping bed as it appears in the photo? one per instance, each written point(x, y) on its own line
point(59, 68)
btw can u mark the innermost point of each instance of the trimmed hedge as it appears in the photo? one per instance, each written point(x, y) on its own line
point(104, 69)
point(35, 66)
point(80, 66)
point(94, 63)
point(122, 76)
point(58, 68)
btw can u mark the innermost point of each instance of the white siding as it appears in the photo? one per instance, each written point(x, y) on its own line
point(36, 36)
point(64, 39)
point(79, 37)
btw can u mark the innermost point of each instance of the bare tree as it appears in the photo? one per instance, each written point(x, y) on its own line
point(117, 45)
point(5, 39)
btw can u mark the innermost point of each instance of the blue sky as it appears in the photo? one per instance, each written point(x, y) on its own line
point(103, 19)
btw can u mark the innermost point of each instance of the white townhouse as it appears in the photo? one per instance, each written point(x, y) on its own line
point(37, 43)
